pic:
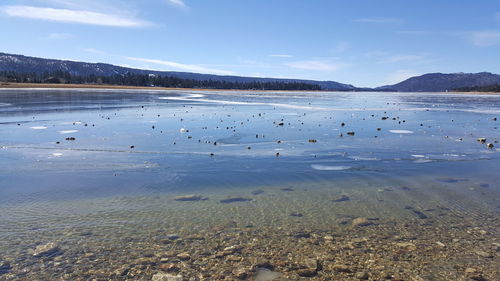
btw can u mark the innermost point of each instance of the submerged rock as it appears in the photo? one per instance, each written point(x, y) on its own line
point(309, 267)
point(235, 199)
point(47, 250)
point(166, 277)
point(190, 197)
point(264, 274)
point(4, 267)
point(341, 198)
point(257, 192)
point(361, 222)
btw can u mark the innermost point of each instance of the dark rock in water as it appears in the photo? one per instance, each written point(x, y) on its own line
point(294, 214)
point(287, 189)
point(350, 133)
point(190, 197)
point(48, 250)
point(312, 140)
point(302, 235)
point(341, 198)
point(70, 139)
point(309, 268)
point(4, 267)
point(257, 192)
point(420, 214)
point(451, 180)
point(235, 199)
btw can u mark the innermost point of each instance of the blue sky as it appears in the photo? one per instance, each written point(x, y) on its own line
point(365, 43)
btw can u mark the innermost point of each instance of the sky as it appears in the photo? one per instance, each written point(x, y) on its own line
point(366, 43)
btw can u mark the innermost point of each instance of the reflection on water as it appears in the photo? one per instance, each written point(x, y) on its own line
point(97, 171)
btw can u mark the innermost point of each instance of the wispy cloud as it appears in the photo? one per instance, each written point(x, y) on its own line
point(380, 20)
point(94, 51)
point(400, 75)
point(340, 47)
point(183, 67)
point(402, 58)
point(178, 3)
point(484, 38)
point(60, 36)
point(280, 56)
point(318, 65)
point(72, 16)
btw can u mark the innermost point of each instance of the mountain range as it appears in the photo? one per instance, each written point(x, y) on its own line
point(432, 82)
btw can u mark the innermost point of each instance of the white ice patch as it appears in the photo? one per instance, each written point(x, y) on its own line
point(57, 154)
point(401, 131)
point(63, 132)
point(418, 156)
point(361, 158)
point(38, 127)
point(420, 161)
point(329, 168)
point(182, 130)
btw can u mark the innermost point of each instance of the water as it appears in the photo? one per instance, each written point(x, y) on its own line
point(97, 172)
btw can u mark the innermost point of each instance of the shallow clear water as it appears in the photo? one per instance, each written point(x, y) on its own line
point(413, 159)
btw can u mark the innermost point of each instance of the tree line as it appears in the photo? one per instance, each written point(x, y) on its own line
point(489, 88)
point(149, 80)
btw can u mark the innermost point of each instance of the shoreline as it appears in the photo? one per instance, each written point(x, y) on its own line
point(10, 85)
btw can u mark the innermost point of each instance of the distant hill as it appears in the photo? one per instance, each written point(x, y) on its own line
point(440, 82)
point(26, 64)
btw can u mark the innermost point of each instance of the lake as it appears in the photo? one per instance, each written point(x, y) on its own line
point(237, 185)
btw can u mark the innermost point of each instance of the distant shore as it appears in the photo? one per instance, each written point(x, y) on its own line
point(10, 85)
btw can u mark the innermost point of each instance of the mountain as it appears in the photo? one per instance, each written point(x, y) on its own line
point(26, 64)
point(440, 82)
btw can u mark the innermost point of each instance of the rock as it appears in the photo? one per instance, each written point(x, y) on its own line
point(406, 245)
point(286, 189)
point(483, 254)
point(257, 192)
point(166, 277)
point(263, 264)
point(294, 214)
point(328, 238)
point(241, 273)
point(312, 140)
point(362, 275)
point(121, 271)
point(4, 267)
point(309, 267)
point(440, 244)
point(235, 199)
point(470, 270)
point(169, 267)
point(190, 197)
point(48, 250)
point(481, 140)
point(264, 274)
point(350, 133)
point(184, 256)
point(361, 222)
point(341, 198)
point(490, 146)
point(341, 268)
point(302, 235)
